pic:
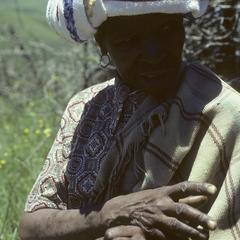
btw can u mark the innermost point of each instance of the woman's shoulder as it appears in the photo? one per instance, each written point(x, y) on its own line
point(215, 94)
point(208, 75)
point(88, 93)
point(208, 82)
point(77, 103)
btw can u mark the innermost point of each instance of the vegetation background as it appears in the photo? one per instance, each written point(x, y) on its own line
point(39, 72)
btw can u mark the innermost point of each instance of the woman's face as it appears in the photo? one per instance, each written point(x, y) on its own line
point(146, 49)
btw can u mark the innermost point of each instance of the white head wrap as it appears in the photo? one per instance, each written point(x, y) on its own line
point(78, 20)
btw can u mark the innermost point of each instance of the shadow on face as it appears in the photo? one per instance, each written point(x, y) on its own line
point(146, 49)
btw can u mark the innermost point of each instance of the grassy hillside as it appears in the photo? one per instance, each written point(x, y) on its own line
point(28, 19)
point(25, 137)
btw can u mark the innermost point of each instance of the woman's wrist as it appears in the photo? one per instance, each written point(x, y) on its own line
point(115, 213)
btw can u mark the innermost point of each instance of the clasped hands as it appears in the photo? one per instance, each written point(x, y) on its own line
point(168, 212)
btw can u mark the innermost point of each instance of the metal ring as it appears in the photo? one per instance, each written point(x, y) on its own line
point(105, 61)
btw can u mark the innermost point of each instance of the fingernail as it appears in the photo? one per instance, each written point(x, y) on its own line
point(212, 224)
point(212, 189)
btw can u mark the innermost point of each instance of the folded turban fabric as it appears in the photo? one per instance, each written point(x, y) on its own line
point(78, 20)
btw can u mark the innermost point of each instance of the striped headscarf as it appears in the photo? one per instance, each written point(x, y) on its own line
point(78, 20)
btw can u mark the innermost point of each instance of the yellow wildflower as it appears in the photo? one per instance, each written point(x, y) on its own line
point(37, 132)
point(54, 77)
point(31, 104)
point(3, 162)
point(7, 127)
point(26, 131)
point(40, 122)
point(47, 132)
point(6, 154)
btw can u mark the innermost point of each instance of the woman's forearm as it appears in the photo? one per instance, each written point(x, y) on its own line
point(51, 224)
point(153, 207)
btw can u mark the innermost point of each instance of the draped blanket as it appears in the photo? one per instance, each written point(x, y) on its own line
point(194, 136)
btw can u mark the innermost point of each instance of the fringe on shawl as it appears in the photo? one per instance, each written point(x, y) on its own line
point(128, 152)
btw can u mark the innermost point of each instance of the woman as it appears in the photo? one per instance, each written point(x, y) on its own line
point(76, 195)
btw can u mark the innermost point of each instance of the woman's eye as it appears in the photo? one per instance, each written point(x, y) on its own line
point(165, 28)
point(170, 29)
point(125, 41)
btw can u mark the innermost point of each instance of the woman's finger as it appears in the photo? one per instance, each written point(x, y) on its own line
point(121, 231)
point(155, 234)
point(187, 213)
point(185, 189)
point(137, 237)
point(194, 201)
point(122, 238)
point(147, 227)
point(171, 225)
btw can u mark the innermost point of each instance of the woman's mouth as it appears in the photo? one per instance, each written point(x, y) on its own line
point(155, 74)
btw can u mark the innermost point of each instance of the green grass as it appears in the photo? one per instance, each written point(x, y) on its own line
point(25, 137)
point(35, 85)
point(28, 18)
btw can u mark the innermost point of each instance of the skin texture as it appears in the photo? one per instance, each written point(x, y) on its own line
point(161, 212)
point(147, 53)
point(156, 212)
point(61, 225)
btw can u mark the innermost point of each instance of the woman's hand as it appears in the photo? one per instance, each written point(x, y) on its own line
point(125, 233)
point(163, 211)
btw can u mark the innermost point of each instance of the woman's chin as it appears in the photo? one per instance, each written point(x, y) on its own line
point(153, 82)
point(160, 85)
point(158, 81)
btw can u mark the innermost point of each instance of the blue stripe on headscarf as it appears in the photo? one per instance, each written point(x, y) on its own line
point(70, 22)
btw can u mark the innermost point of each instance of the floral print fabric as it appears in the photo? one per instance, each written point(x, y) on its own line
point(88, 126)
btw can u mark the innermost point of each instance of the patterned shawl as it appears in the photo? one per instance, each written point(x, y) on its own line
point(194, 136)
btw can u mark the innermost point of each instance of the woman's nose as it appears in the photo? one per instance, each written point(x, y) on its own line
point(152, 50)
point(151, 47)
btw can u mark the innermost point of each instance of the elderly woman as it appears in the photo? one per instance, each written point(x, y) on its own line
point(134, 154)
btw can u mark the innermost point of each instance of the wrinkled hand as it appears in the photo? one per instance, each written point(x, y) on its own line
point(164, 211)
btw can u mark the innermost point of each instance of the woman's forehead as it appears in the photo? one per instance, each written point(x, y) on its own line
point(123, 24)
